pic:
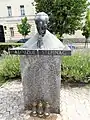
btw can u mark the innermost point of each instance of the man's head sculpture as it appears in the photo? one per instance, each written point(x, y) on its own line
point(41, 20)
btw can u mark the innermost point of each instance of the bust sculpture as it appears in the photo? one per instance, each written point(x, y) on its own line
point(41, 20)
point(43, 39)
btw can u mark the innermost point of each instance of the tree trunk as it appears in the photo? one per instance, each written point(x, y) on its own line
point(86, 43)
point(24, 36)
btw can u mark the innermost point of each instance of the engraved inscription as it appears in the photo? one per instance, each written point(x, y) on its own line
point(40, 52)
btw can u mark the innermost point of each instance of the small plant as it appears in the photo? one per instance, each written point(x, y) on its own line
point(24, 28)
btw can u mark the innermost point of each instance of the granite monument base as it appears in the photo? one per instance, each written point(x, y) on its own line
point(41, 80)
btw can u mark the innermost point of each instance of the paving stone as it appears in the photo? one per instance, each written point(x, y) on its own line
point(1, 115)
point(75, 103)
point(6, 114)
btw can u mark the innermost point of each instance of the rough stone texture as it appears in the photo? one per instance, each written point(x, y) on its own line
point(74, 103)
point(41, 80)
point(12, 106)
point(11, 101)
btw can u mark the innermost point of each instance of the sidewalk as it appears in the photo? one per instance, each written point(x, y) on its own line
point(75, 103)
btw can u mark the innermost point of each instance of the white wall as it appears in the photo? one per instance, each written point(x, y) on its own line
point(15, 4)
point(16, 16)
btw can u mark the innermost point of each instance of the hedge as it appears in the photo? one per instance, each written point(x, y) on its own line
point(76, 68)
point(9, 67)
point(74, 40)
point(6, 46)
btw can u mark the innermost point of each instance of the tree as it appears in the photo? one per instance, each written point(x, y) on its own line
point(24, 28)
point(65, 15)
point(86, 27)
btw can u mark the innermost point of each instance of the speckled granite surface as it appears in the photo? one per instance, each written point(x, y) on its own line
point(41, 80)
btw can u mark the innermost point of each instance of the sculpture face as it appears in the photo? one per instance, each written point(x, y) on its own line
point(41, 21)
point(41, 28)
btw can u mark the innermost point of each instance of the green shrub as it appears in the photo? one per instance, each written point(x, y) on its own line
point(9, 67)
point(6, 46)
point(76, 68)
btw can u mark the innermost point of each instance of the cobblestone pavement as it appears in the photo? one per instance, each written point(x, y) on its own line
point(75, 103)
point(11, 101)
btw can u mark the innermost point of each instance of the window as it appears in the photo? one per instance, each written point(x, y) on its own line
point(12, 31)
point(9, 10)
point(22, 10)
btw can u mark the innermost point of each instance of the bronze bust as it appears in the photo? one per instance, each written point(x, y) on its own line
point(41, 20)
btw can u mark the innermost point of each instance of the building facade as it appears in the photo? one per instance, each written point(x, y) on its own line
point(11, 13)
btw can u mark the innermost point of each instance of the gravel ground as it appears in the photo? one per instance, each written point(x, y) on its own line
point(75, 103)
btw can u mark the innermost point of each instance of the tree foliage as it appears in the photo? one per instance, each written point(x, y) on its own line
point(24, 28)
point(65, 15)
point(86, 27)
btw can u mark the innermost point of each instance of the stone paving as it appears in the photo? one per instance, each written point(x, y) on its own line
point(75, 103)
point(11, 101)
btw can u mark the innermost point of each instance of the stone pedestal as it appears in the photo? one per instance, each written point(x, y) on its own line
point(41, 69)
point(41, 79)
point(40, 59)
